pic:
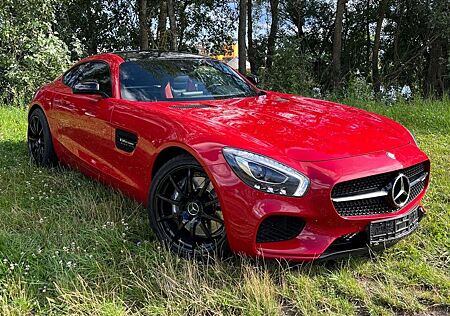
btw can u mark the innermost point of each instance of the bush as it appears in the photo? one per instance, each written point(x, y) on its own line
point(30, 51)
point(291, 70)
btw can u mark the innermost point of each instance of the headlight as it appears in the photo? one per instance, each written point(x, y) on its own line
point(413, 137)
point(266, 174)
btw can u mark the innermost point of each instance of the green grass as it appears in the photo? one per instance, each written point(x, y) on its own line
point(71, 246)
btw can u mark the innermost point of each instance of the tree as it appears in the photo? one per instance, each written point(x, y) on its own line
point(295, 10)
point(196, 25)
point(91, 26)
point(143, 24)
point(31, 53)
point(183, 23)
point(368, 41)
point(337, 45)
point(241, 36)
point(340, 42)
point(434, 85)
point(376, 47)
point(251, 49)
point(173, 25)
point(273, 32)
point(162, 23)
point(437, 75)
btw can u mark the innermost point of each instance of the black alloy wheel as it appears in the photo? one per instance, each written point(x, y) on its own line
point(40, 146)
point(184, 210)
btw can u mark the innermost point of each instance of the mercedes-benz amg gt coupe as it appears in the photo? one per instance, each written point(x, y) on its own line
point(222, 165)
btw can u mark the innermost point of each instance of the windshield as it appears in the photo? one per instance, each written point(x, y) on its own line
point(177, 79)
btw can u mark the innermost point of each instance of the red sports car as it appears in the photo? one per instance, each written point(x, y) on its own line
point(222, 165)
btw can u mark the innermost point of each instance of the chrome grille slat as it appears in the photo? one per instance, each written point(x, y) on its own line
point(367, 196)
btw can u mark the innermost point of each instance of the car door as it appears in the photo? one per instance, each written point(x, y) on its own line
point(64, 112)
point(85, 130)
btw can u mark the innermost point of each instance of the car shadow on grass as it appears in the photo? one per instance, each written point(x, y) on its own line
point(62, 188)
point(82, 190)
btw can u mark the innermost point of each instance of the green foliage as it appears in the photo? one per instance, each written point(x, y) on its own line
point(209, 22)
point(91, 26)
point(291, 71)
point(70, 246)
point(37, 38)
point(359, 89)
point(31, 53)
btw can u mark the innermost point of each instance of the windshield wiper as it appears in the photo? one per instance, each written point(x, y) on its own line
point(230, 96)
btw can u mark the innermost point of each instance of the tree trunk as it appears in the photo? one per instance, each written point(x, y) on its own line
point(182, 24)
point(143, 25)
point(296, 11)
point(434, 83)
point(241, 35)
point(273, 33)
point(368, 41)
point(250, 50)
point(173, 24)
point(92, 37)
point(397, 34)
point(337, 44)
point(162, 20)
point(446, 67)
point(376, 48)
point(301, 18)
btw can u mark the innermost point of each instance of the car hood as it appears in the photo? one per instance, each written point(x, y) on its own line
point(301, 128)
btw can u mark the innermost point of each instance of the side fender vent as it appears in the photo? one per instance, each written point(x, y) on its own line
point(126, 141)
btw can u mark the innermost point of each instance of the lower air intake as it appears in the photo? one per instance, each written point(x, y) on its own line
point(279, 228)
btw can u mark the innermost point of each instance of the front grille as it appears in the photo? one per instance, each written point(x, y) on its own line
point(279, 228)
point(374, 183)
point(375, 205)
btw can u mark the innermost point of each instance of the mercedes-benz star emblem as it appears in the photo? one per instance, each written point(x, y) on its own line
point(193, 208)
point(400, 191)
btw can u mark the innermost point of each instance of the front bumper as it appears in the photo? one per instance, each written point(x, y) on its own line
point(363, 243)
point(245, 208)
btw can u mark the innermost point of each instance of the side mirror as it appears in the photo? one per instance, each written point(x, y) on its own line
point(87, 87)
point(253, 79)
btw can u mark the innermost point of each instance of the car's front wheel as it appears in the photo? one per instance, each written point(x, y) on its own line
point(40, 145)
point(184, 210)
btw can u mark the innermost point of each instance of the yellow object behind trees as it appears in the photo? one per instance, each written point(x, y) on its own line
point(231, 51)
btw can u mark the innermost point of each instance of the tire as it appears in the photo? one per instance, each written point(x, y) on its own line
point(39, 139)
point(184, 210)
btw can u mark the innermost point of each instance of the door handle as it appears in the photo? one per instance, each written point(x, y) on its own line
point(65, 103)
point(84, 111)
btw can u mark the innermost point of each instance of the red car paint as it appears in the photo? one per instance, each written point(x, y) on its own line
point(327, 142)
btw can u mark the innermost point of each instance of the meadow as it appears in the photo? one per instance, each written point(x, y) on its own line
point(71, 246)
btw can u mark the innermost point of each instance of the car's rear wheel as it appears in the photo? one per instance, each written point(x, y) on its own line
point(40, 146)
point(184, 210)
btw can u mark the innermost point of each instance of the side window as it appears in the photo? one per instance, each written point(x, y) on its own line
point(99, 72)
point(72, 75)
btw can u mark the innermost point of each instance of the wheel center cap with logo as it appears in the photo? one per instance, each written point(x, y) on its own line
point(399, 193)
point(194, 208)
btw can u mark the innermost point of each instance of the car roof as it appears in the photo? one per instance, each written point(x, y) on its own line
point(155, 54)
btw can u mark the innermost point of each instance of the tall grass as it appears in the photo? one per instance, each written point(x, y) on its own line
point(69, 245)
